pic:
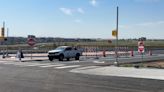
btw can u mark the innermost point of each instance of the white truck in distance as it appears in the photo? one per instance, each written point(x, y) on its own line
point(64, 52)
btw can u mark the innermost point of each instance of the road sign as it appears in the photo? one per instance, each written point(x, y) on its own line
point(141, 48)
point(114, 33)
point(31, 41)
point(31, 36)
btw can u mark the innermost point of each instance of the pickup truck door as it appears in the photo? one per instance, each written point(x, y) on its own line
point(72, 52)
point(67, 52)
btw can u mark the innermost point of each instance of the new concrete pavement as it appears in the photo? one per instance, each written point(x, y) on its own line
point(122, 72)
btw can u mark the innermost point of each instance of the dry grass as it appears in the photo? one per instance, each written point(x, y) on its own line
point(152, 64)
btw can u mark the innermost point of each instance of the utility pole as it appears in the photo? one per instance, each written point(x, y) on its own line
point(3, 34)
point(116, 46)
point(7, 43)
point(4, 25)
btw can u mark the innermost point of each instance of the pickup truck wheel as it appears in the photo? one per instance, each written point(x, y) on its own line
point(51, 58)
point(77, 57)
point(61, 57)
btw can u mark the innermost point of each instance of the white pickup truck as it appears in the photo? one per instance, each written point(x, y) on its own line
point(64, 52)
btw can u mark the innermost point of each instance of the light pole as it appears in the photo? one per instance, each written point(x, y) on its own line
point(7, 43)
point(116, 45)
point(3, 34)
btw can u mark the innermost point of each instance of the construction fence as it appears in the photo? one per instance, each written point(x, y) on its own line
point(122, 51)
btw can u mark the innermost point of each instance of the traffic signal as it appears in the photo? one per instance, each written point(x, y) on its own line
point(3, 32)
point(5, 39)
point(2, 35)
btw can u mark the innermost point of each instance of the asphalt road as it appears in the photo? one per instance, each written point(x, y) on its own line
point(16, 77)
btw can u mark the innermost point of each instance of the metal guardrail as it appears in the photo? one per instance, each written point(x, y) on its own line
point(136, 59)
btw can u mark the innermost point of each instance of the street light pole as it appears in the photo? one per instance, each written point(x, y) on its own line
point(116, 47)
point(7, 43)
point(3, 56)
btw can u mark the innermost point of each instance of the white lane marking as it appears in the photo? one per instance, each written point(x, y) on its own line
point(51, 65)
point(34, 64)
point(99, 62)
point(71, 66)
point(8, 63)
point(88, 67)
point(3, 61)
point(13, 63)
point(58, 66)
point(19, 63)
point(77, 61)
point(24, 64)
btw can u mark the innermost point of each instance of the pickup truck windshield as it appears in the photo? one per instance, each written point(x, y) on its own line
point(60, 48)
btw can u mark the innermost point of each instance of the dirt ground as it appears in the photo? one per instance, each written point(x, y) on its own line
point(151, 64)
point(155, 64)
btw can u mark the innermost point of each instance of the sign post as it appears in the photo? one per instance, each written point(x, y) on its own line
point(115, 34)
point(31, 41)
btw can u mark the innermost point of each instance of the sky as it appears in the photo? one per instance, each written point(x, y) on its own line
point(83, 18)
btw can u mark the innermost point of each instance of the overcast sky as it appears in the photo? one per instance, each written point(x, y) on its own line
point(83, 18)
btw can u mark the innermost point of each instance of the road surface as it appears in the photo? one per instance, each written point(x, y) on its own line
point(55, 77)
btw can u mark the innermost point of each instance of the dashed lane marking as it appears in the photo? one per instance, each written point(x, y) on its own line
point(88, 67)
point(71, 66)
point(44, 66)
point(35, 64)
point(8, 63)
point(99, 62)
